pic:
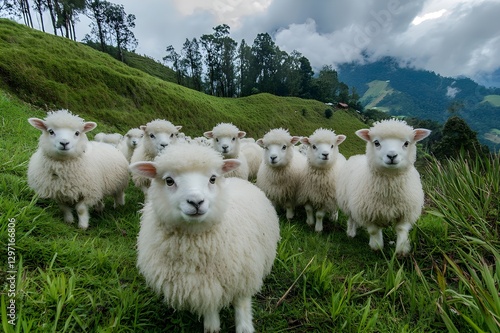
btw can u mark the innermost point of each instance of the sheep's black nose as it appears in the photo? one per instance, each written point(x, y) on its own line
point(392, 157)
point(196, 204)
point(273, 158)
point(63, 143)
point(163, 144)
point(225, 148)
point(325, 155)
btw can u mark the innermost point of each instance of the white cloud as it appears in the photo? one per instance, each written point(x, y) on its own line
point(428, 16)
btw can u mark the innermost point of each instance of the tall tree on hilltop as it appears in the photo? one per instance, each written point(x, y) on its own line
point(192, 62)
point(120, 25)
point(40, 6)
point(264, 52)
point(96, 11)
point(177, 64)
point(306, 74)
point(328, 84)
point(244, 82)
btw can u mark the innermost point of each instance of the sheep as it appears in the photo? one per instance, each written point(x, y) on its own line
point(205, 241)
point(73, 171)
point(110, 138)
point(130, 141)
point(159, 133)
point(280, 171)
point(253, 154)
point(317, 188)
point(226, 140)
point(382, 187)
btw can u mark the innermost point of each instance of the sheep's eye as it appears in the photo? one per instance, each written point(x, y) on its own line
point(376, 143)
point(217, 139)
point(284, 147)
point(142, 135)
point(169, 181)
point(234, 139)
point(314, 147)
point(406, 144)
point(212, 179)
point(331, 146)
point(77, 133)
point(51, 132)
point(152, 136)
point(172, 135)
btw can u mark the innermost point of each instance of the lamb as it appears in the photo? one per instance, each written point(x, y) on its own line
point(253, 154)
point(205, 241)
point(317, 188)
point(281, 169)
point(159, 134)
point(382, 187)
point(130, 141)
point(226, 140)
point(110, 138)
point(73, 171)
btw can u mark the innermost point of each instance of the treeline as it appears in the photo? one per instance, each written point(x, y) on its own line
point(111, 25)
point(216, 64)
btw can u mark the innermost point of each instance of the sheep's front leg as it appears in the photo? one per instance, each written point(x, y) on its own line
point(68, 215)
point(211, 322)
point(403, 245)
point(290, 210)
point(320, 214)
point(243, 315)
point(376, 239)
point(83, 215)
point(310, 214)
point(352, 226)
point(119, 199)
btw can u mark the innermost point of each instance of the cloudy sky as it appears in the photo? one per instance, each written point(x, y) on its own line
point(450, 37)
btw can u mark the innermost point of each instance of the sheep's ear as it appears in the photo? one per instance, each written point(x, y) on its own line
point(146, 169)
point(364, 134)
point(143, 127)
point(38, 123)
point(420, 134)
point(294, 140)
point(340, 138)
point(241, 134)
point(89, 126)
point(305, 140)
point(229, 165)
point(178, 127)
point(260, 142)
point(208, 134)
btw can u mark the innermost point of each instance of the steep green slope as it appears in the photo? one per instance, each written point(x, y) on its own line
point(53, 72)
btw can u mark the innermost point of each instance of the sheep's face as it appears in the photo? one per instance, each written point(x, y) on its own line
point(278, 154)
point(134, 138)
point(60, 141)
point(187, 191)
point(322, 153)
point(228, 144)
point(392, 152)
point(159, 140)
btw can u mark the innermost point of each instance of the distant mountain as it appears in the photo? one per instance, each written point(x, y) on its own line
point(392, 87)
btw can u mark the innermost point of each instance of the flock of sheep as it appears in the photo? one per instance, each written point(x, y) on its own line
point(209, 228)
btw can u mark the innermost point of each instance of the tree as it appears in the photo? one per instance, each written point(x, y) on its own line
point(306, 74)
point(457, 136)
point(175, 58)
point(244, 83)
point(192, 62)
point(328, 84)
point(264, 52)
point(120, 25)
point(67, 14)
point(96, 11)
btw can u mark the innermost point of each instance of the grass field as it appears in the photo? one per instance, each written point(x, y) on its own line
point(493, 99)
point(376, 92)
point(58, 278)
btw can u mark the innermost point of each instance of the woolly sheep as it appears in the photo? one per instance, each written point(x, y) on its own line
point(253, 154)
point(205, 241)
point(382, 187)
point(281, 168)
point(317, 188)
point(226, 140)
point(130, 141)
point(158, 134)
point(73, 171)
point(110, 138)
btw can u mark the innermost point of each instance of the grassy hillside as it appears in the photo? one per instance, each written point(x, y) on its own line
point(492, 99)
point(53, 72)
point(55, 277)
point(376, 92)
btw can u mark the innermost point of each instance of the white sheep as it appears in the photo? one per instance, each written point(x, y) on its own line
point(205, 241)
point(382, 187)
point(226, 140)
point(316, 191)
point(253, 154)
point(158, 134)
point(130, 141)
point(73, 171)
point(110, 138)
point(281, 169)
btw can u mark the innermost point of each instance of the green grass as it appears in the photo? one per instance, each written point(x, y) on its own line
point(70, 280)
point(376, 92)
point(492, 99)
